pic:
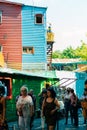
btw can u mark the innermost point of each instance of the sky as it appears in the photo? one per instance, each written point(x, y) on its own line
point(68, 19)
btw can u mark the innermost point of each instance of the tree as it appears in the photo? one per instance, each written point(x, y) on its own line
point(81, 52)
point(68, 53)
point(56, 54)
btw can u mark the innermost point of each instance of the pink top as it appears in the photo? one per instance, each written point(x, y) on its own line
point(73, 100)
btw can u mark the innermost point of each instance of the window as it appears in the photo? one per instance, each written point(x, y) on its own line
point(0, 48)
point(39, 19)
point(28, 50)
point(0, 17)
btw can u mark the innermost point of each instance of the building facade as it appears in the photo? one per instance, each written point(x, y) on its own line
point(10, 33)
point(23, 36)
point(34, 44)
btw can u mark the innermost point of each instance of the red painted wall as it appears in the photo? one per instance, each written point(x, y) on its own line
point(10, 34)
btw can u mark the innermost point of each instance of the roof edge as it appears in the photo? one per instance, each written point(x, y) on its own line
point(36, 6)
point(10, 2)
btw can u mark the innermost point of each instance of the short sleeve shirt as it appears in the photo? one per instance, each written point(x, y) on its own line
point(26, 103)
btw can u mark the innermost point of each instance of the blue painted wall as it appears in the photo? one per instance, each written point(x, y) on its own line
point(33, 35)
point(81, 77)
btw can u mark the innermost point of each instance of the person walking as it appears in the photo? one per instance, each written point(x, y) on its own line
point(67, 103)
point(3, 123)
point(74, 107)
point(31, 93)
point(25, 109)
point(49, 108)
point(42, 97)
point(84, 103)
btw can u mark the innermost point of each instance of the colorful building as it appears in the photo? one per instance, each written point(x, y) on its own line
point(34, 38)
point(23, 36)
point(10, 33)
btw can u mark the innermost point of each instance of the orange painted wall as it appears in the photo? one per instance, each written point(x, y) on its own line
point(10, 34)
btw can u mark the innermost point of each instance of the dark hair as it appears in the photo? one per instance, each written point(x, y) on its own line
point(47, 85)
point(68, 90)
point(44, 91)
point(85, 82)
point(72, 90)
point(53, 93)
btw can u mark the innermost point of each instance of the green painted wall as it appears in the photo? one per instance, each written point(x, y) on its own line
point(34, 83)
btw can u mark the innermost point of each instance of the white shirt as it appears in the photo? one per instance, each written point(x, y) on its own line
point(67, 96)
point(26, 103)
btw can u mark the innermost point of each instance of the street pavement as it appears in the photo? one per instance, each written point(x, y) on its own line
point(60, 125)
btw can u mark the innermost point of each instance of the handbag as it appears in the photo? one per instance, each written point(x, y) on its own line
point(60, 115)
point(20, 113)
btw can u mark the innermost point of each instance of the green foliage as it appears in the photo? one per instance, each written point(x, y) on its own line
point(79, 52)
point(68, 53)
point(56, 54)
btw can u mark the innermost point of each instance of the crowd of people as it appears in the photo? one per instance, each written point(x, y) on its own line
point(49, 107)
point(73, 104)
point(70, 103)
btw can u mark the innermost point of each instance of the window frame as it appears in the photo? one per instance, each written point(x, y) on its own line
point(8, 86)
point(36, 15)
point(0, 16)
point(27, 50)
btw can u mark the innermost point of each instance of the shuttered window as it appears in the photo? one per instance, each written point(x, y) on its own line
point(39, 19)
point(28, 50)
point(0, 16)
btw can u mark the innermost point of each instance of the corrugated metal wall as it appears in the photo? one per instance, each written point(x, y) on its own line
point(10, 34)
point(81, 77)
point(34, 35)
